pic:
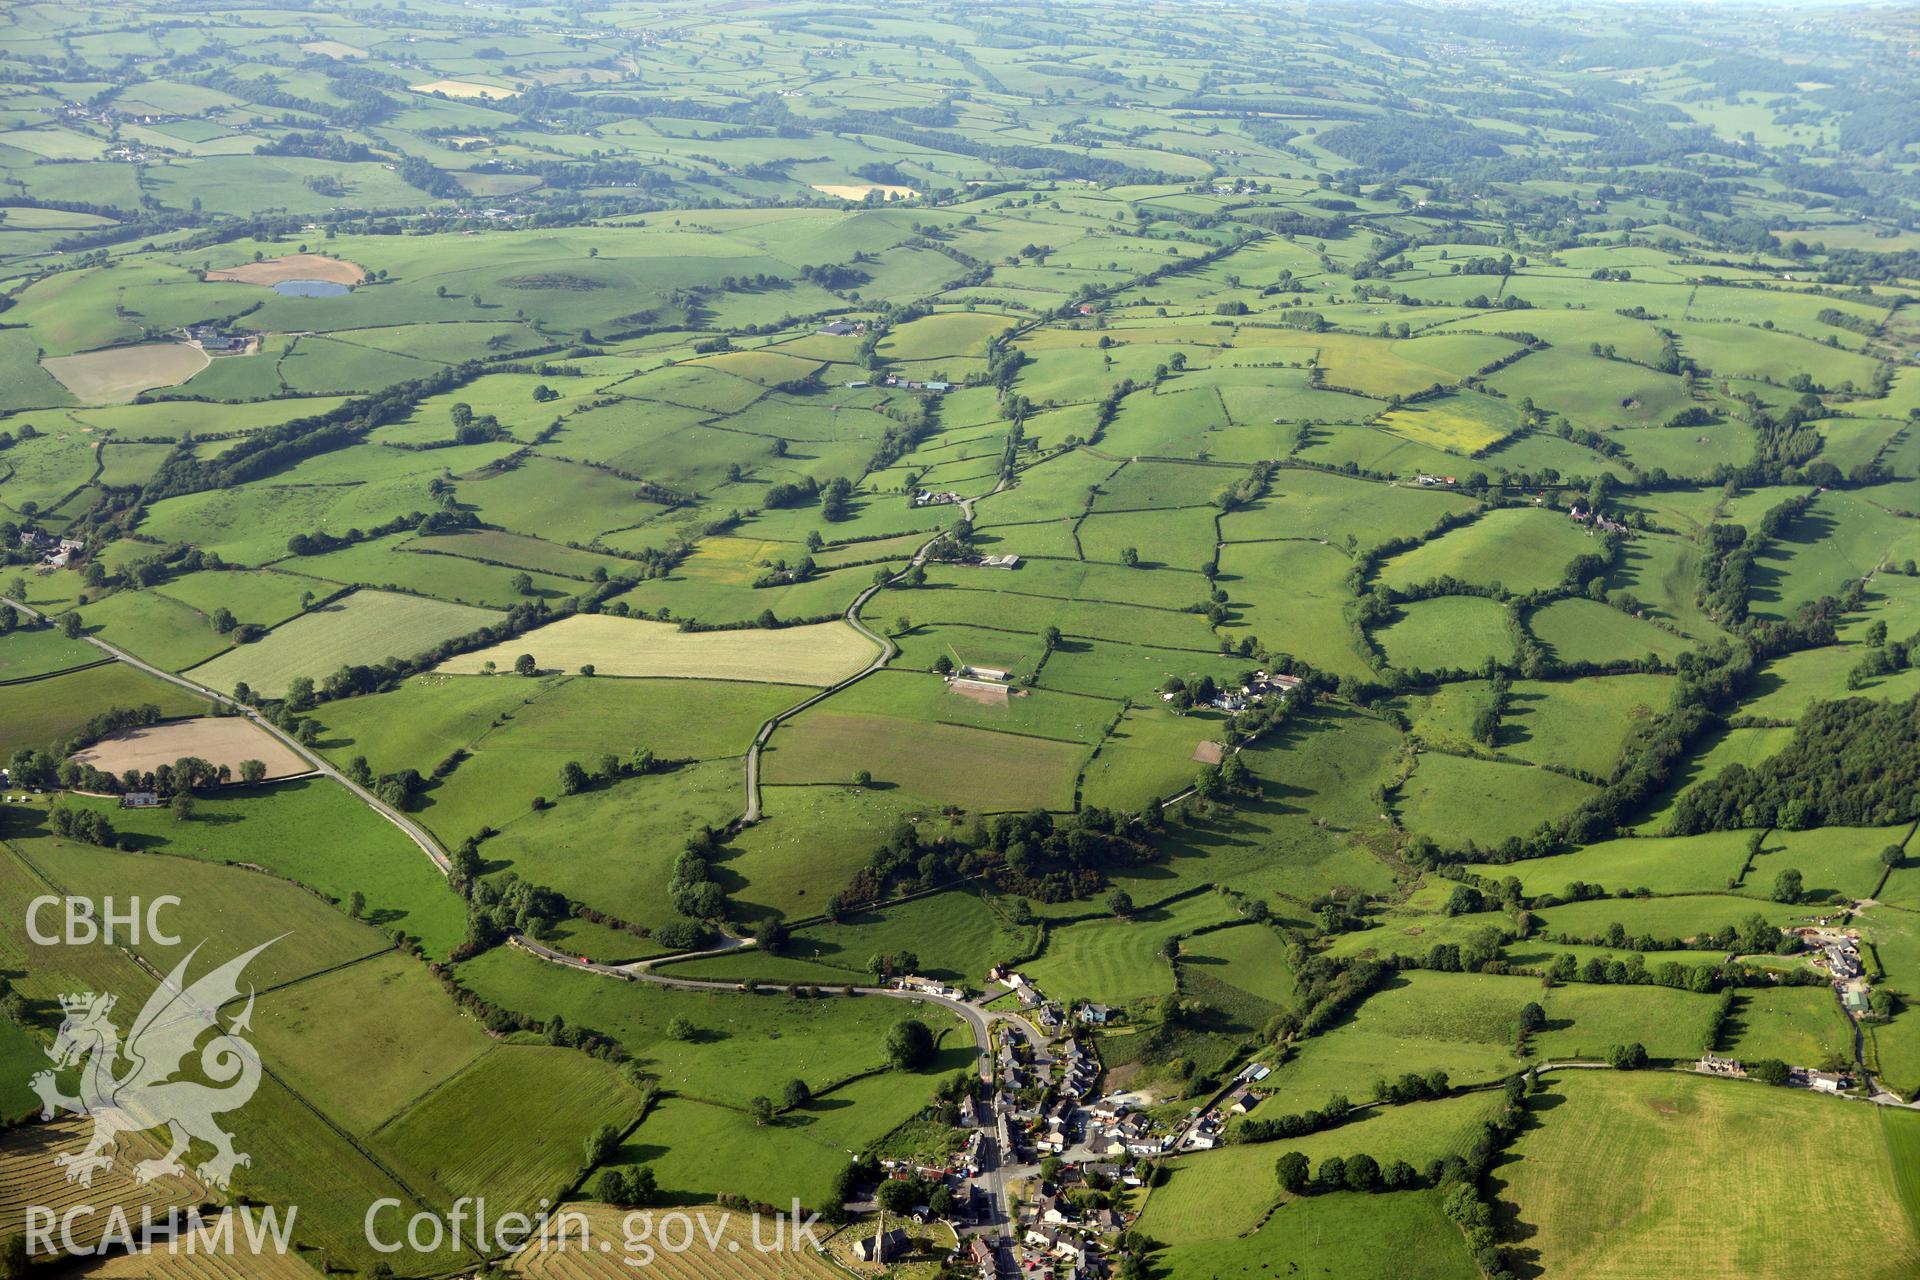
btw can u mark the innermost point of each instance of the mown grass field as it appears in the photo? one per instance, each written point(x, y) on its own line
point(1519, 548)
point(1455, 799)
point(941, 763)
point(1120, 960)
point(470, 1134)
point(366, 627)
point(1403, 1234)
point(1731, 1199)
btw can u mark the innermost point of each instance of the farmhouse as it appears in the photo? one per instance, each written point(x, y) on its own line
point(139, 800)
point(1843, 959)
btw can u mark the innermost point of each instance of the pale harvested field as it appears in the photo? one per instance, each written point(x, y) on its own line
point(28, 1176)
point(176, 1261)
point(858, 191)
point(464, 89)
point(118, 374)
point(293, 266)
point(815, 655)
point(1209, 752)
point(221, 739)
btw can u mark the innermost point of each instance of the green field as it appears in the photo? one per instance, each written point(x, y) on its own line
point(312, 831)
point(1706, 1136)
point(1446, 632)
point(768, 473)
point(39, 712)
point(367, 627)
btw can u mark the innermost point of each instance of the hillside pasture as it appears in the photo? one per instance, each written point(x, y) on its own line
point(1519, 548)
point(1455, 799)
point(29, 652)
point(1446, 633)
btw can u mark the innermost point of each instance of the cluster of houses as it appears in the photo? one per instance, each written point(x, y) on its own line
point(1797, 1077)
point(909, 384)
point(215, 341)
point(1595, 520)
point(928, 986)
point(1208, 1129)
point(1257, 690)
point(915, 384)
point(55, 553)
point(929, 498)
point(1838, 952)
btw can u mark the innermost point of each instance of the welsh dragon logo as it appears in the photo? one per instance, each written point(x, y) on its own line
point(159, 1047)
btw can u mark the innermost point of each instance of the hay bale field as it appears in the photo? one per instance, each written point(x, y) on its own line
point(221, 739)
point(29, 1176)
point(819, 654)
point(293, 266)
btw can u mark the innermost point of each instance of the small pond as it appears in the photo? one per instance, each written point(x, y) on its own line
point(309, 288)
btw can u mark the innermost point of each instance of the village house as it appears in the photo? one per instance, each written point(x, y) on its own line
point(1595, 520)
point(1095, 1015)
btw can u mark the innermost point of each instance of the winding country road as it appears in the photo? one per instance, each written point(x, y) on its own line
point(751, 813)
point(978, 1020)
point(413, 830)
